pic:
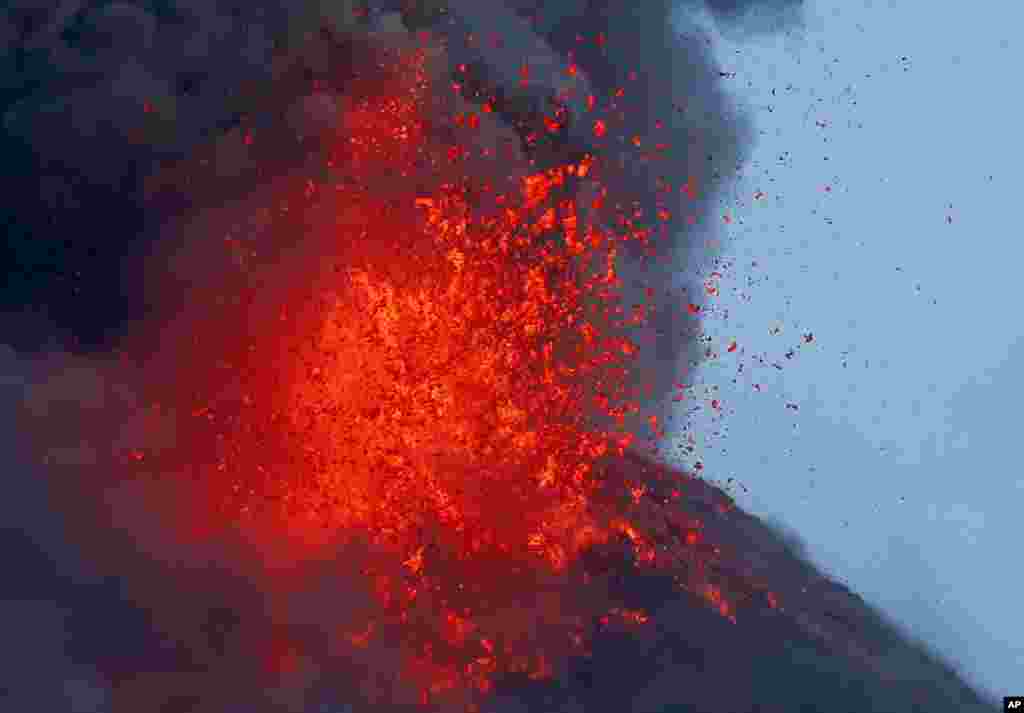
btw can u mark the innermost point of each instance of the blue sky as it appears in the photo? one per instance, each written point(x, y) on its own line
point(887, 156)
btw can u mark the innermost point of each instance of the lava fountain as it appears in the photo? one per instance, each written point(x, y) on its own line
point(409, 368)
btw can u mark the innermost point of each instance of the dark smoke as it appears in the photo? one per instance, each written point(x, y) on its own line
point(81, 211)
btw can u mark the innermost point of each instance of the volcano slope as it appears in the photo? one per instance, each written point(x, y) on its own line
point(801, 642)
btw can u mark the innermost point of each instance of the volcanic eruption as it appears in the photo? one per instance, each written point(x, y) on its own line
point(384, 409)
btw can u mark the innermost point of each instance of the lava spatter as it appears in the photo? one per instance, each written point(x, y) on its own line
point(418, 372)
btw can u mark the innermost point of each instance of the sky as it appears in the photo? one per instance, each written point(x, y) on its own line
point(887, 173)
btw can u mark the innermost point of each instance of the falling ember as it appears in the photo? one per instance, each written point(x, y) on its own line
point(423, 385)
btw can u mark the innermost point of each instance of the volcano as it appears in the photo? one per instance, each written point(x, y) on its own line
point(383, 437)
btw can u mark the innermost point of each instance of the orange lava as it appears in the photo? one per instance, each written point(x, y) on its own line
point(423, 385)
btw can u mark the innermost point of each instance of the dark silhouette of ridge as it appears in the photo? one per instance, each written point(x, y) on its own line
point(820, 648)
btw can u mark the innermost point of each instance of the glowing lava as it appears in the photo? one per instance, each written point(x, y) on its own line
point(418, 378)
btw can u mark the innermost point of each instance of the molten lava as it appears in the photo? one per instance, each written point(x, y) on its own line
point(423, 383)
